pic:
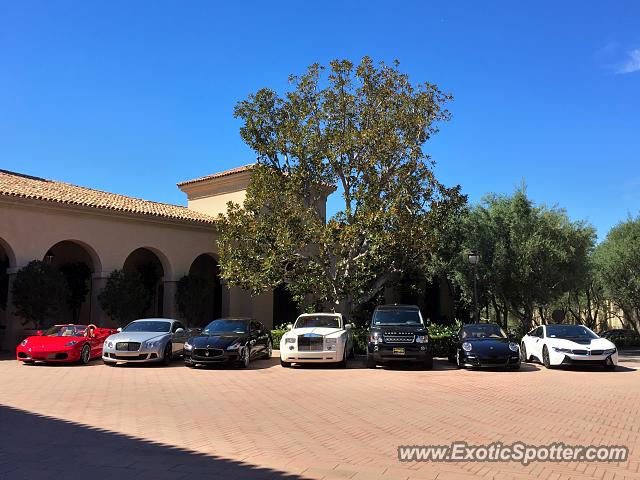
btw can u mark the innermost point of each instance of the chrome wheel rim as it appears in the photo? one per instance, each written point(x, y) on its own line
point(247, 354)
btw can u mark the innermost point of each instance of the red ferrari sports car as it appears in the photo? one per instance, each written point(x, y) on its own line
point(64, 343)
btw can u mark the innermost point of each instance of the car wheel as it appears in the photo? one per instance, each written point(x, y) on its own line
point(458, 362)
point(269, 351)
point(609, 365)
point(285, 364)
point(427, 364)
point(246, 357)
point(371, 363)
point(167, 355)
point(523, 353)
point(343, 363)
point(545, 357)
point(85, 355)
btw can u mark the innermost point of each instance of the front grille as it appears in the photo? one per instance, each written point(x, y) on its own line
point(597, 352)
point(579, 352)
point(128, 346)
point(212, 352)
point(494, 361)
point(399, 337)
point(58, 356)
point(142, 356)
point(310, 344)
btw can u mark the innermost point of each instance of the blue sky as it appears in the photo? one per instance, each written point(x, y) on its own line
point(133, 97)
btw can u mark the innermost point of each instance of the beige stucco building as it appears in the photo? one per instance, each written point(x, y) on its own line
point(62, 223)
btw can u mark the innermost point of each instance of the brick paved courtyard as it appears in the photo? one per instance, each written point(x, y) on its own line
point(269, 422)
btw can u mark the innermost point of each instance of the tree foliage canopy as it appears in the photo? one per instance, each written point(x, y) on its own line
point(125, 296)
point(617, 261)
point(39, 292)
point(530, 255)
point(360, 129)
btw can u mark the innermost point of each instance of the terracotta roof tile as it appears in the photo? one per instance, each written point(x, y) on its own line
point(24, 186)
point(244, 168)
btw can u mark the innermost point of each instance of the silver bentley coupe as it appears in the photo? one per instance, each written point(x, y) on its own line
point(145, 340)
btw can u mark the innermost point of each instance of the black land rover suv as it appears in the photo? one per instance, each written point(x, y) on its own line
point(398, 332)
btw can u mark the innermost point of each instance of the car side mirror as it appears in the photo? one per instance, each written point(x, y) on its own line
point(119, 329)
point(180, 330)
point(39, 332)
point(289, 327)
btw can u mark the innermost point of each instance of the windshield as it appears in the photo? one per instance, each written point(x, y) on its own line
point(488, 330)
point(326, 321)
point(65, 331)
point(225, 325)
point(148, 326)
point(569, 331)
point(397, 317)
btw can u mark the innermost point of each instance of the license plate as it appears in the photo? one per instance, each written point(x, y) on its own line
point(398, 351)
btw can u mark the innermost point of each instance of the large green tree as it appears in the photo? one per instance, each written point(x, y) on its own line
point(39, 293)
point(125, 296)
point(617, 260)
point(358, 129)
point(530, 255)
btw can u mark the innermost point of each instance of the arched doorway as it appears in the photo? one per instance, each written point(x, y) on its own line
point(285, 310)
point(205, 290)
point(7, 260)
point(77, 262)
point(148, 264)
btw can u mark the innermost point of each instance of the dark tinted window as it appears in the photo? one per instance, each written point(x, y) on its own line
point(488, 330)
point(148, 326)
point(569, 331)
point(225, 325)
point(318, 321)
point(397, 316)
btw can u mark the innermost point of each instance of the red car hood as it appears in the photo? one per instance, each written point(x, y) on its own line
point(50, 343)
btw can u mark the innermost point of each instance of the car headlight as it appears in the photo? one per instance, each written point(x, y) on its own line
point(610, 351)
point(71, 343)
point(234, 346)
point(188, 346)
point(562, 350)
point(466, 346)
point(152, 343)
point(422, 339)
point(23, 342)
point(375, 337)
point(513, 347)
point(330, 343)
point(289, 340)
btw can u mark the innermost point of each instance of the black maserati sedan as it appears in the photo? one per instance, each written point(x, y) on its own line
point(229, 340)
point(484, 345)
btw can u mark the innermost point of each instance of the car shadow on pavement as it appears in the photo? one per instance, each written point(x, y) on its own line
point(36, 446)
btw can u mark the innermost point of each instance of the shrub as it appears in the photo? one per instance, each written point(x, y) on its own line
point(39, 292)
point(125, 296)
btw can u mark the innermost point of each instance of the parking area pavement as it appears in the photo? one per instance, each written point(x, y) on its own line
point(313, 422)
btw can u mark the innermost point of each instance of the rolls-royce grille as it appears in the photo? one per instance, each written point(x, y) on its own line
point(207, 352)
point(310, 344)
point(128, 346)
point(398, 337)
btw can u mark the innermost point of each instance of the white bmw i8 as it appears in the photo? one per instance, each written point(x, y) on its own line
point(556, 345)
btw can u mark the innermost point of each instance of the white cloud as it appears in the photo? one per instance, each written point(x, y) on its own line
point(632, 64)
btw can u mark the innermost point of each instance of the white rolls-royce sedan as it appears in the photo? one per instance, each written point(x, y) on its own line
point(555, 345)
point(317, 338)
